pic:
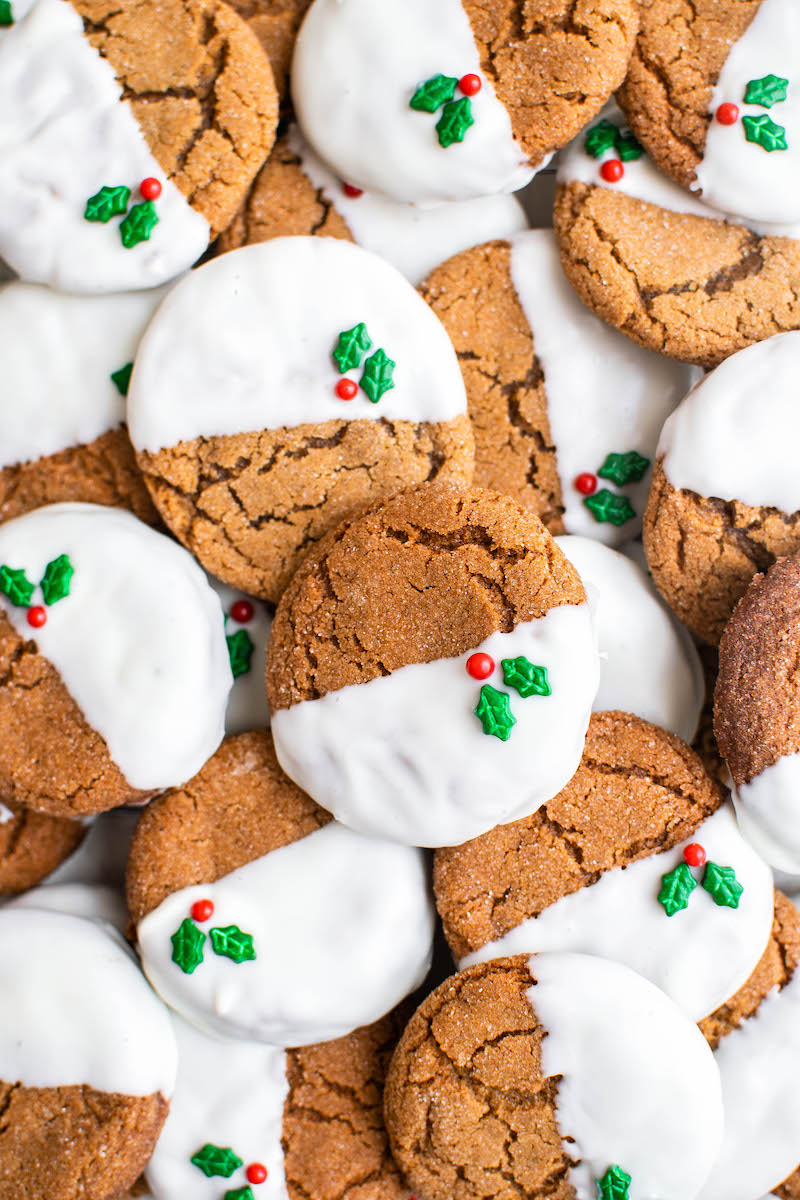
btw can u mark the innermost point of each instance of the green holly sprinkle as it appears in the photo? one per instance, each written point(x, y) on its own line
point(676, 888)
point(122, 378)
point(768, 90)
point(56, 579)
point(614, 1184)
point(107, 203)
point(525, 676)
point(216, 1160)
point(187, 946)
point(624, 468)
point(454, 122)
point(765, 133)
point(352, 347)
point(600, 138)
point(139, 224)
point(6, 17)
point(433, 93)
point(240, 651)
point(231, 942)
point(608, 508)
point(16, 586)
point(627, 147)
point(242, 1193)
point(494, 713)
point(377, 378)
point(722, 884)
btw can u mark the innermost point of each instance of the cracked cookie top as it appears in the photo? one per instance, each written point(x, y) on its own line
point(526, 1077)
point(32, 845)
point(454, 100)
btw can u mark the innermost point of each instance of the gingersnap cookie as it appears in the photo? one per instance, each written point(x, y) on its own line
point(633, 628)
point(210, 870)
point(611, 867)
point(87, 1060)
point(660, 265)
point(247, 626)
point(555, 1075)
point(295, 193)
point(302, 1124)
point(566, 414)
point(131, 135)
point(457, 99)
point(713, 92)
point(32, 845)
point(115, 671)
point(281, 386)
point(723, 504)
point(275, 23)
point(756, 712)
point(447, 628)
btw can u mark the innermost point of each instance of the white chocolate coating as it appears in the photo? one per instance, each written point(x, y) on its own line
point(768, 811)
point(102, 856)
point(94, 902)
point(247, 704)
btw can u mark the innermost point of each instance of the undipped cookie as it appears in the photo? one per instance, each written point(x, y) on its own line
point(275, 23)
point(32, 845)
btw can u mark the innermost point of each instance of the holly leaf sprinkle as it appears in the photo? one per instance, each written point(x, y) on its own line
point(627, 147)
point(57, 578)
point(624, 468)
point(676, 888)
point(614, 1184)
point(608, 508)
point(122, 378)
point(231, 942)
point(600, 138)
point(377, 378)
point(16, 585)
point(6, 16)
point(525, 676)
point(240, 651)
point(454, 122)
point(494, 713)
point(768, 90)
point(139, 224)
point(723, 885)
point(242, 1193)
point(216, 1160)
point(765, 133)
point(107, 203)
point(351, 348)
point(187, 946)
point(433, 93)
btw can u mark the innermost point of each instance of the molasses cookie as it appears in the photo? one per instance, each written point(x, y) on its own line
point(456, 99)
point(565, 412)
point(209, 873)
point(115, 671)
point(275, 23)
point(281, 386)
point(131, 134)
point(295, 193)
point(32, 845)
point(247, 626)
point(724, 501)
point(560, 1075)
point(425, 655)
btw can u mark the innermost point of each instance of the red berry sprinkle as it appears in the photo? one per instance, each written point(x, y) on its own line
point(586, 483)
point(37, 616)
point(480, 666)
point(728, 114)
point(346, 389)
point(202, 910)
point(256, 1173)
point(470, 84)
point(351, 191)
point(243, 611)
point(612, 170)
point(150, 188)
point(695, 855)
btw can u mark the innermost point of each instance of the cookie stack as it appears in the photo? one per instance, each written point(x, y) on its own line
point(415, 817)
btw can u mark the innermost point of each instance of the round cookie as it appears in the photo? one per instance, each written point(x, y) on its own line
point(409, 130)
point(132, 132)
point(87, 1059)
point(566, 414)
point(66, 363)
point(238, 839)
point(661, 266)
point(279, 387)
point(247, 626)
point(713, 92)
point(724, 502)
point(546, 1076)
point(295, 194)
point(115, 671)
point(757, 715)
point(425, 654)
point(32, 846)
point(275, 23)
point(633, 628)
point(312, 1117)
point(600, 870)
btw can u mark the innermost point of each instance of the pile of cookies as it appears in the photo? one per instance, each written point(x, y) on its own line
point(399, 605)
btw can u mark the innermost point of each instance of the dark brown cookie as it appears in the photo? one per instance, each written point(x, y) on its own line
point(32, 845)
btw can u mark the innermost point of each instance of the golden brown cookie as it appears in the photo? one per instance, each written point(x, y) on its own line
point(32, 845)
point(275, 23)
